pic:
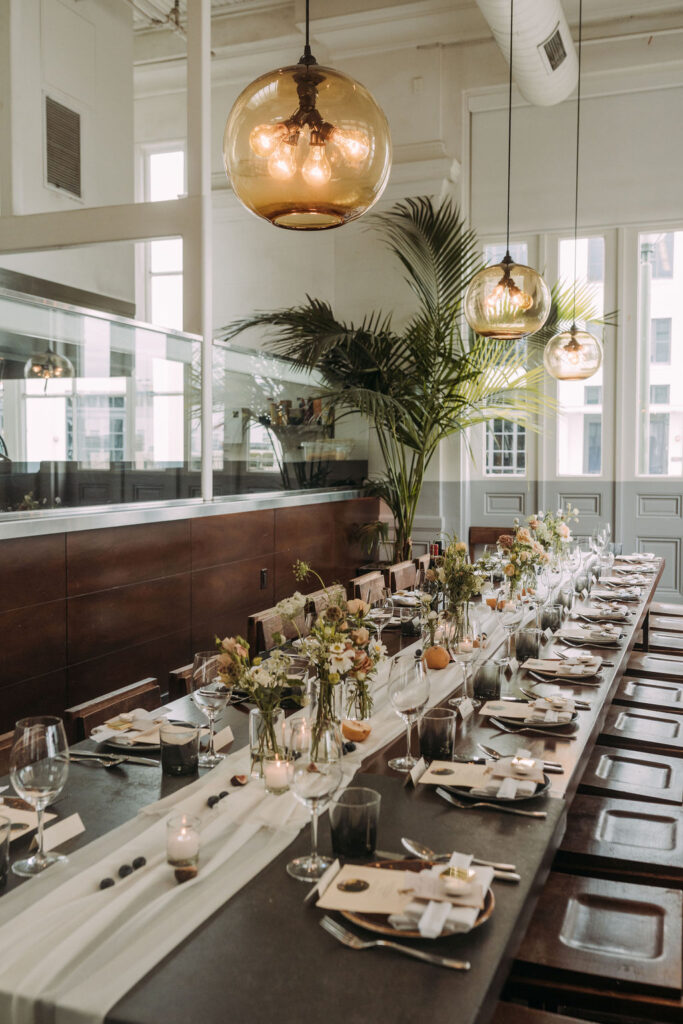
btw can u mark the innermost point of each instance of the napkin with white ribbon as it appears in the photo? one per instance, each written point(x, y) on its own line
point(446, 916)
point(510, 779)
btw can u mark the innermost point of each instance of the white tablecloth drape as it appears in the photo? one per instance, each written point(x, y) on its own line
point(69, 951)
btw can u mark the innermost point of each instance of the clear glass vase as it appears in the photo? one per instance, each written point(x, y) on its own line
point(357, 700)
point(266, 737)
point(325, 708)
point(459, 617)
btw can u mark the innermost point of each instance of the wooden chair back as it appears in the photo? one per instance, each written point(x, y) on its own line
point(322, 598)
point(81, 719)
point(180, 682)
point(421, 564)
point(6, 741)
point(401, 576)
point(368, 587)
point(262, 628)
point(480, 535)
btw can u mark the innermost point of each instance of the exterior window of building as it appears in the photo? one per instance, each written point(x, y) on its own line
point(660, 334)
point(659, 399)
point(579, 420)
point(164, 179)
point(660, 394)
point(505, 449)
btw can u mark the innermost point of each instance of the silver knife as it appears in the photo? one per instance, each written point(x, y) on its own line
point(502, 876)
point(131, 758)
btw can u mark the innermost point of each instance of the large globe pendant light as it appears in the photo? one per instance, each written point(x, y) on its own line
point(306, 147)
point(574, 354)
point(48, 365)
point(507, 300)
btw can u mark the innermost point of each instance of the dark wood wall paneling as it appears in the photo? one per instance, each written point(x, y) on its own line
point(87, 612)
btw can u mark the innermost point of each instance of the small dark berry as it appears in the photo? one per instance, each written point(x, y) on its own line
point(125, 870)
point(139, 862)
point(239, 780)
point(107, 883)
point(222, 796)
point(350, 747)
point(212, 801)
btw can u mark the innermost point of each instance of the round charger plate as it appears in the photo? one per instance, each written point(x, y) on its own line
point(380, 922)
point(589, 673)
point(540, 725)
point(541, 789)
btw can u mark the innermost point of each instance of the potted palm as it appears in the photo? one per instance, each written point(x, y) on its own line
point(429, 379)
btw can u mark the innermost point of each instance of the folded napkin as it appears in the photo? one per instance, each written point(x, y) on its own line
point(615, 613)
point(446, 916)
point(406, 600)
point(137, 726)
point(623, 594)
point(540, 712)
point(580, 666)
point(638, 556)
point(509, 780)
point(590, 634)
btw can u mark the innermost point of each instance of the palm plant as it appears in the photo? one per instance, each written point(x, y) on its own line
point(427, 380)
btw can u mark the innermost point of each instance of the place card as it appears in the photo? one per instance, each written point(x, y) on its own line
point(453, 773)
point(29, 818)
point(60, 833)
point(507, 708)
point(323, 882)
point(466, 708)
point(223, 737)
point(417, 771)
point(367, 890)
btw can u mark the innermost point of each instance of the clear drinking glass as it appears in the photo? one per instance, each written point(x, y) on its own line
point(510, 618)
point(211, 696)
point(408, 692)
point(314, 780)
point(382, 611)
point(39, 768)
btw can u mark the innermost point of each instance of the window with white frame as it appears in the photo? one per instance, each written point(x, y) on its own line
point(579, 417)
point(505, 442)
point(164, 178)
point(660, 347)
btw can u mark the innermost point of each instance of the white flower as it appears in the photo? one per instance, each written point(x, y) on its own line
point(338, 648)
point(279, 661)
point(340, 663)
point(310, 647)
point(432, 615)
point(426, 600)
point(262, 677)
point(377, 650)
point(291, 607)
point(441, 573)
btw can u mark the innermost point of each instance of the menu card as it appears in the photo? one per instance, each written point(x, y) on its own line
point(453, 773)
point(367, 890)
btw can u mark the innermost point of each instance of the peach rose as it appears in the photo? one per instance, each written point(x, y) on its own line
point(357, 607)
point(360, 636)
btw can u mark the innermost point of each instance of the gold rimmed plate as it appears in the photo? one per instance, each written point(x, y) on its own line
point(379, 923)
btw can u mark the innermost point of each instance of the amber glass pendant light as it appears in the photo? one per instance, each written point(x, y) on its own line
point(574, 354)
point(507, 300)
point(47, 366)
point(307, 147)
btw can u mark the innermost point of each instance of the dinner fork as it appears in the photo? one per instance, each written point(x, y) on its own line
point(513, 730)
point(445, 795)
point(354, 942)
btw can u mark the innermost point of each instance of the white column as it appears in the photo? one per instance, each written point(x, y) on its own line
point(197, 251)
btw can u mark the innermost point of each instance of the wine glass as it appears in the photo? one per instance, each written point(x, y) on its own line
point(490, 558)
point(39, 768)
point(510, 618)
point(211, 695)
point(408, 692)
point(314, 780)
point(382, 611)
point(537, 598)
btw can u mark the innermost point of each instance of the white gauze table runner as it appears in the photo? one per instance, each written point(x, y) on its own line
point(69, 951)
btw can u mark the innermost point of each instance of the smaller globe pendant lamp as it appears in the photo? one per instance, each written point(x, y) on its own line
point(507, 300)
point(48, 366)
point(306, 147)
point(573, 355)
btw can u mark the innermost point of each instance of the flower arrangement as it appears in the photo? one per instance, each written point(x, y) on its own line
point(552, 530)
point(266, 682)
point(523, 553)
point(461, 580)
point(340, 649)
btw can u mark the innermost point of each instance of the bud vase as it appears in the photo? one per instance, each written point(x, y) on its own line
point(266, 736)
point(325, 708)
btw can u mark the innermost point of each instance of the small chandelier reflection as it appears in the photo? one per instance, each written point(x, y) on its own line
point(574, 354)
point(507, 300)
point(295, 167)
point(47, 366)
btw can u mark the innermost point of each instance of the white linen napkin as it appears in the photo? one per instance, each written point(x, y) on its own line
point(443, 917)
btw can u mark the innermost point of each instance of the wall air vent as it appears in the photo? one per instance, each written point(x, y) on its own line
point(63, 147)
point(554, 49)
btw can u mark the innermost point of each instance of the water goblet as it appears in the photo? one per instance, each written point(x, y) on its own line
point(510, 618)
point(382, 611)
point(408, 690)
point(314, 781)
point(39, 768)
point(211, 695)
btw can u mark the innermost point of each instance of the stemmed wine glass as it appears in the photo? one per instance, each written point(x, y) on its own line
point(382, 611)
point(211, 695)
point(39, 768)
point(314, 780)
point(510, 618)
point(408, 692)
point(538, 599)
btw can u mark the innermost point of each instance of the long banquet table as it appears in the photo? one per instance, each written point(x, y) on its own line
point(262, 955)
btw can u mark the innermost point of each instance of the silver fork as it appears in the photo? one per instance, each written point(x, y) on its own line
point(353, 942)
point(513, 730)
point(494, 807)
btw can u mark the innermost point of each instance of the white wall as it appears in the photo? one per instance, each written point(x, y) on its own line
point(79, 52)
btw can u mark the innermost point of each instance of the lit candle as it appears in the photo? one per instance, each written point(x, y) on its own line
point(276, 775)
point(182, 840)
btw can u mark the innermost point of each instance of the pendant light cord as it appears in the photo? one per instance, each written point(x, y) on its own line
point(508, 258)
point(576, 190)
point(307, 57)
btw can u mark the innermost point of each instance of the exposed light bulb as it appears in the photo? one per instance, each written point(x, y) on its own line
point(316, 169)
point(265, 138)
point(353, 143)
point(573, 355)
point(282, 161)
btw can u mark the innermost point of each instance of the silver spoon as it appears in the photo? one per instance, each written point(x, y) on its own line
point(504, 871)
point(548, 766)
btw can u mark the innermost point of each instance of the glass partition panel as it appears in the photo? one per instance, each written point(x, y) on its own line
point(94, 409)
point(273, 430)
